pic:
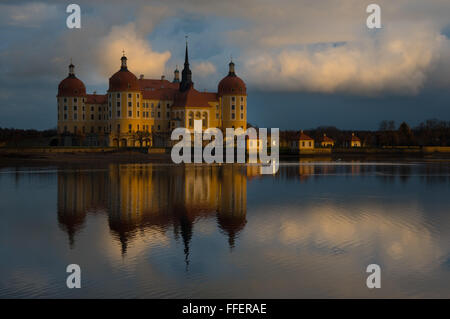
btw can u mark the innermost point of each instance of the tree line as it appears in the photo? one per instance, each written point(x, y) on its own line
point(431, 132)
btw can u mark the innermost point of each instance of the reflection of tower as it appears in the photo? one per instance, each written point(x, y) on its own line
point(232, 210)
point(78, 192)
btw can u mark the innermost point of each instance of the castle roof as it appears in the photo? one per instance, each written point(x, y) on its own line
point(194, 98)
point(97, 99)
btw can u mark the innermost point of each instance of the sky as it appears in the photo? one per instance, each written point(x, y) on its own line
point(306, 63)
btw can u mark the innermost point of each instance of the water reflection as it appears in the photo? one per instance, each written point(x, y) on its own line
point(138, 197)
point(162, 230)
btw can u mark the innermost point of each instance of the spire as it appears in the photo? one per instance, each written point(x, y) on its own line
point(231, 67)
point(71, 69)
point(186, 74)
point(123, 59)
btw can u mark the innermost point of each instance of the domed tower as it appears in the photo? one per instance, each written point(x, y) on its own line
point(124, 104)
point(233, 100)
point(176, 76)
point(71, 100)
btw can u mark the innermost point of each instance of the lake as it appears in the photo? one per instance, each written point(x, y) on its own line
point(225, 231)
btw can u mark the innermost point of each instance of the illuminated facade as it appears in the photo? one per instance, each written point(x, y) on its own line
point(143, 112)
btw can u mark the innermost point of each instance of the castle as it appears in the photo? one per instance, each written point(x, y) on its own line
point(143, 112)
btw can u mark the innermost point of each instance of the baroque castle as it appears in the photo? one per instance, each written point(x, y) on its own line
point(143, 112)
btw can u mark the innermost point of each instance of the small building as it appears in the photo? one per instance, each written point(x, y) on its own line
point(355, 141)
point(326, 141)
point(305, 142)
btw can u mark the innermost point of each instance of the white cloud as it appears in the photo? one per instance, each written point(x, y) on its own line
point(389, 62)
point(203, 69)
point(141, 57)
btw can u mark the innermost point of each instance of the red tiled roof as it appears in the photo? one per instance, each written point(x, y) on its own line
point(159, 94)
point(194, 98)
point(327, 139)
point(149, 84)
point(71, 86)
point(123, 80)
point(97, 98)
point(355, 138)
point(304, 137)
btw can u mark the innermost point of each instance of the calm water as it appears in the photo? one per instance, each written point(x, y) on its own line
point(165, 231)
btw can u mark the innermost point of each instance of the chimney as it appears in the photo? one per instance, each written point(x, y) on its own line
point(95, 92)
point(163, 77)
point(141, 77)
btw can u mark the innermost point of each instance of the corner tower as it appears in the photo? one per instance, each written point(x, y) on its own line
point(233, 100)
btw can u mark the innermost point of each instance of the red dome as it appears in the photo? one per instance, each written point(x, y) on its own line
point(123, 80)
point(71, 86)
point(232, 84)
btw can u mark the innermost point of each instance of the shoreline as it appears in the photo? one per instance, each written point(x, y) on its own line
point(102, 156)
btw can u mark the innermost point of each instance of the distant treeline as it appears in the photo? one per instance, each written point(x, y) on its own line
point(430, 133)
point(16, 135)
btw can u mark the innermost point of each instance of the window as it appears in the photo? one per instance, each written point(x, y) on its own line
point(217, 116)
point(130, 114)
point(242, 99)
point(65, 107)
point(129, 128)
point(233, 99)
point(118, 104)
point(92, 109)
point(242, 107)
point(159, 114)
point(65, 100)
point(129, 95)
point(137, 104)
point(118, 95)
point(99, 108)
point(159, 127)
point(159, 106)
point(65, 116)
point(75, 129)
point(92, 129)
point(137, 95)
point(137, 113)
point(92, 117)
point(83, 129)
point(168, 114)
point(233, 116)
point(99, 129)
point(153, 114)
point(75, 116)
point(99, 117)
point(118, 113)
point(129, 104)
point(118, 128)
point(75, 108)
point(233, 107)
point(242, 116)
point(75, 100)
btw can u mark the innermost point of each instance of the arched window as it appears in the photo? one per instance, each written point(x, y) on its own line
point(191, 119)
point(205, 119)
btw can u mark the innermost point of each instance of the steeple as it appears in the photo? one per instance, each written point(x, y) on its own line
point(231, 68)
point(186, 74)
point(71, 69)
point(123, 66)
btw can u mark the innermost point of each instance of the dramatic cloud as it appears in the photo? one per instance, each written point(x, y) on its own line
point(389, 61)
point(138, 50)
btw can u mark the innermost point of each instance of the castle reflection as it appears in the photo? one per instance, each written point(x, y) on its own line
point(172, 198)
point(136, 197)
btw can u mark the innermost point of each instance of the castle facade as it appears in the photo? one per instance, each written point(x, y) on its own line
point(143, 112)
